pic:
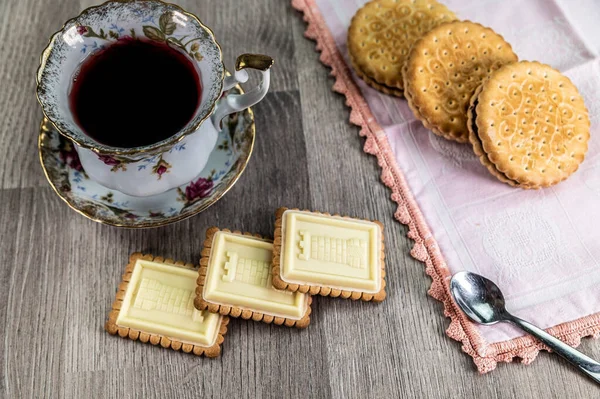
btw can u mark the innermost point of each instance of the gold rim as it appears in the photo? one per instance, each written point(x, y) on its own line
point(48, 49)
point(147, 224)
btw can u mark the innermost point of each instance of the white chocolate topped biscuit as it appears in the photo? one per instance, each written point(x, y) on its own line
point(235, 279)
point(155, 304)
point(329, 255)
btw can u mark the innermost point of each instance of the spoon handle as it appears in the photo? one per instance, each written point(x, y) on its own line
point(584, 363)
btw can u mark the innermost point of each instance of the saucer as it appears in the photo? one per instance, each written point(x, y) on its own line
point(225, 165)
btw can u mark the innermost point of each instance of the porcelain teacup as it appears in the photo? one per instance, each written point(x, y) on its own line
point(158, 167)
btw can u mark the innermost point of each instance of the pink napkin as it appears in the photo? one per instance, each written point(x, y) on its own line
point(542, 247)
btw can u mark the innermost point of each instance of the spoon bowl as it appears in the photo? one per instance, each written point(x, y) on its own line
point(478, 297)
point(483, 302)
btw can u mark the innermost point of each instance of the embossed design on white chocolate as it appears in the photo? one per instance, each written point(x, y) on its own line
point(154, 295)
point(249, 271)
point(351, 252)
point(230, 266)
point(197, 316)
point(304, 245)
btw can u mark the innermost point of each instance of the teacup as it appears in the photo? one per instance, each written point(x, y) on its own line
point(158, 167)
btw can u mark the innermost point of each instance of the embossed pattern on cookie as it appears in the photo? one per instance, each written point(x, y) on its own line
point(381, 34)
point(444, 69)
point(235, 279)
point(529, 125)
point(154, 304)
point(330, 255)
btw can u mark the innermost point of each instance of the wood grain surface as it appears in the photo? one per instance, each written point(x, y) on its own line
point(59, 271)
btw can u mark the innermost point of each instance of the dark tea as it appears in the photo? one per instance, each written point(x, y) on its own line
point(135, 93)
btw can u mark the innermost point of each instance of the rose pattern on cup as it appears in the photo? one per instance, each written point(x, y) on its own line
point(197, 190)
point(69, 156)
point(139, 171)
point(99, 27)
point(116, 164)
point(227, 162)
point(161, 167)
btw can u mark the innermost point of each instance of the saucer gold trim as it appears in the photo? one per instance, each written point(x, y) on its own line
point(42, 137)
point(119, 151)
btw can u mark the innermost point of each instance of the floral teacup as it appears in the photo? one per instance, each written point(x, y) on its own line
point(155, 168)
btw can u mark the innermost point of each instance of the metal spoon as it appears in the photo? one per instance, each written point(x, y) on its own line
point(483, 302)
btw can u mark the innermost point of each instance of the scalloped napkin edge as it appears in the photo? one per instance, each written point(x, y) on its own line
point(425, 248)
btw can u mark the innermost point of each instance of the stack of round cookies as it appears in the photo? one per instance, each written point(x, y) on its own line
point(381, 35)
point(526, 121)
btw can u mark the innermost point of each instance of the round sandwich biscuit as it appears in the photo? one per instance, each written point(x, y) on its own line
point(381, 34)
point(529, 125)
point(443, 70)
point(392, 91)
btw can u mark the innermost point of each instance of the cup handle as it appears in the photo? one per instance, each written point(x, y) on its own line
point(237, 102)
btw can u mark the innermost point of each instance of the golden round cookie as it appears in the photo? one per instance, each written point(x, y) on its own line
point(382, 88)
point(529, 125)
point(477, 146)
point(382, 32)
point(443, 70)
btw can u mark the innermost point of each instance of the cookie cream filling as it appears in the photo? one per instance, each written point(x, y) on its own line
point(476, 134)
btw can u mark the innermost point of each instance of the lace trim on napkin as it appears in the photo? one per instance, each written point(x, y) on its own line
point(425, 248)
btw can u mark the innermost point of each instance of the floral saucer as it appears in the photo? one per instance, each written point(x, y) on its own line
point(94, 201)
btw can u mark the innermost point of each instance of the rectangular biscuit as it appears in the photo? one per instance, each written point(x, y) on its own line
point(330, 255)
point(235, 279)
point(154, 303)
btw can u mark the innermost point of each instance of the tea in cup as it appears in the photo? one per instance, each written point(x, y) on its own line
point(136, 86)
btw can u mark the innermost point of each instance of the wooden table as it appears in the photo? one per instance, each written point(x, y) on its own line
point(59, 271)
